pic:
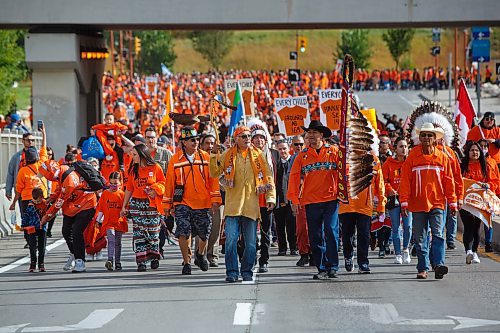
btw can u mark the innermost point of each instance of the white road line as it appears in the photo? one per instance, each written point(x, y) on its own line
point(407, 101)
point(26, 259)
point(243, 314)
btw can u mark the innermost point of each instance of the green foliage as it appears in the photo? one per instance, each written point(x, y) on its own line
point(398, 42)
point(354, 42)
point(212, 45)
point(12, 66)
point(157, 47)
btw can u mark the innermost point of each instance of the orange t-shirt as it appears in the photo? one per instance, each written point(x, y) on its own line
point(293, 118)
point(109, 166)
point(110, 204)
point(28, 178)
point(391, 170)
point(148, 175)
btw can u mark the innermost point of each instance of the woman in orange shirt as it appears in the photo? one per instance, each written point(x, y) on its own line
point(108, 215)
point(145, 189)
point(474, 166)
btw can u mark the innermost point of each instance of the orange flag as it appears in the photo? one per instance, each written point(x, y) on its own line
point(169, 106)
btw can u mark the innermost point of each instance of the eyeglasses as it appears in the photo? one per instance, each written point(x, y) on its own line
point(30, 140)
point(296, 144)
point(245, 136)
point(426, 135)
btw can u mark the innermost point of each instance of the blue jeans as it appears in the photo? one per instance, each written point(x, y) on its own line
point(232, 229)
point(488, 234)
point(395, 215)
point(451, 226)
point(421, 223)
point(323, 224)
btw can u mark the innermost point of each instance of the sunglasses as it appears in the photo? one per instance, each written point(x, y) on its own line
point(296, 144)
point(245, 136)
point(426, 135)
point(151, 137)
point(30, 140)
point(489, 118)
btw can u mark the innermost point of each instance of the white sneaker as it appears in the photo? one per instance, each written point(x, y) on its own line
point(475, 258)
point(79, 266)
point(70, 263)
point(406, 256)
point(99, 256)
point(468, 258)
point(398, 259)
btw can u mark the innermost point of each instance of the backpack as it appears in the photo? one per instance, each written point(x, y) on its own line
point(92, 148)
point(91, 176)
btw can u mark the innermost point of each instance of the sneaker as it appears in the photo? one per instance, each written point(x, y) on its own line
point(320, 276)
point(274, 244)
point(70, 263)
point(282, 253)
point(79, 266)
point(155, 263)
point(488, 248)
point(398, 259)
point(89, 257)
point(41, 268)
point(304, 260)
point(141, 268)
point(468, 257)
point(202, 261)
point(118, 266)
point(263, 268)
point(381, 253)
point(364, 269)
point(387, 249)
point(475, 258)
point(422, 275)
point(186, 269)
point(231, 279)
point(32, 266)
point(247, 278)
point(451, 246)
point(214, 263)
point(440, 271)
point(332, 274)
point(109, 265)
point(294, 253)
point(406, 256)
point(349, 266)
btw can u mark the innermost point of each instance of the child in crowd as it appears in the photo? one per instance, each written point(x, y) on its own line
point(114, 129)
point(35, 235)
point(108, 214)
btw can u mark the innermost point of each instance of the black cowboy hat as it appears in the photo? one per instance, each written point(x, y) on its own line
point(318, 126)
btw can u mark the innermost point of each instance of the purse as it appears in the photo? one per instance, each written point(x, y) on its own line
point(392, 202)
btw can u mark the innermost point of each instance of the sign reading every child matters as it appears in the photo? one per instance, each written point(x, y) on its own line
point(330, 102)
point(293, 113)
point(246, 86)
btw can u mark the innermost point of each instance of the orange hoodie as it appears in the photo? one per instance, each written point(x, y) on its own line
point(319, 174)
point(102, 130)
point(364, 202)
point(426, 181)
point(200, 190)
point(28, 178)
point(455, 169)
point(491, 178)
point(391, 170)
point(71, 196)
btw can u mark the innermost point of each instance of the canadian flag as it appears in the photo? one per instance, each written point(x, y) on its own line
point(465, 112)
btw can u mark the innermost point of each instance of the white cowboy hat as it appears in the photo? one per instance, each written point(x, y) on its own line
point(429, 127)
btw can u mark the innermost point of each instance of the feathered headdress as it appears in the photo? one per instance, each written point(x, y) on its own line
point(439, 116)
point(258, 126)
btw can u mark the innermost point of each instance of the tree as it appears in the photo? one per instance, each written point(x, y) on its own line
point(12, 66)
point(212, 45)
point(398, 42)
point(157, 47)
point(354, 42)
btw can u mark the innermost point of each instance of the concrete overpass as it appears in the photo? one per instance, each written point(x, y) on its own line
point(66, 87)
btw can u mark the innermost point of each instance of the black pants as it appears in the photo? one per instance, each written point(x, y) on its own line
point(265, 235)
point(352, 222)
point(166, 229)
point(472, 225)
point(383, 235)
point(72, 230)
point(285, 227)
point(37, 241)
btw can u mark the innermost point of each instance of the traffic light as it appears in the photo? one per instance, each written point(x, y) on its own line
point(137, 42)
point(302, 43)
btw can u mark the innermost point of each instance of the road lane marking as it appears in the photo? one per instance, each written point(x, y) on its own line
point(412, 104)
point(26, 259)
point(243, 314)
point(97, 319)
point(255, 270)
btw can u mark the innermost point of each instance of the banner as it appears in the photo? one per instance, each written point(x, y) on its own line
point(246, 86)
point(292, 113)
point(330, 107)
point(480, 201)
point(342, 193)
point(371, 116)
point(151, 85)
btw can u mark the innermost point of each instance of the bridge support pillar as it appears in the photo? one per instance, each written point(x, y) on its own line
point(66, 89)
